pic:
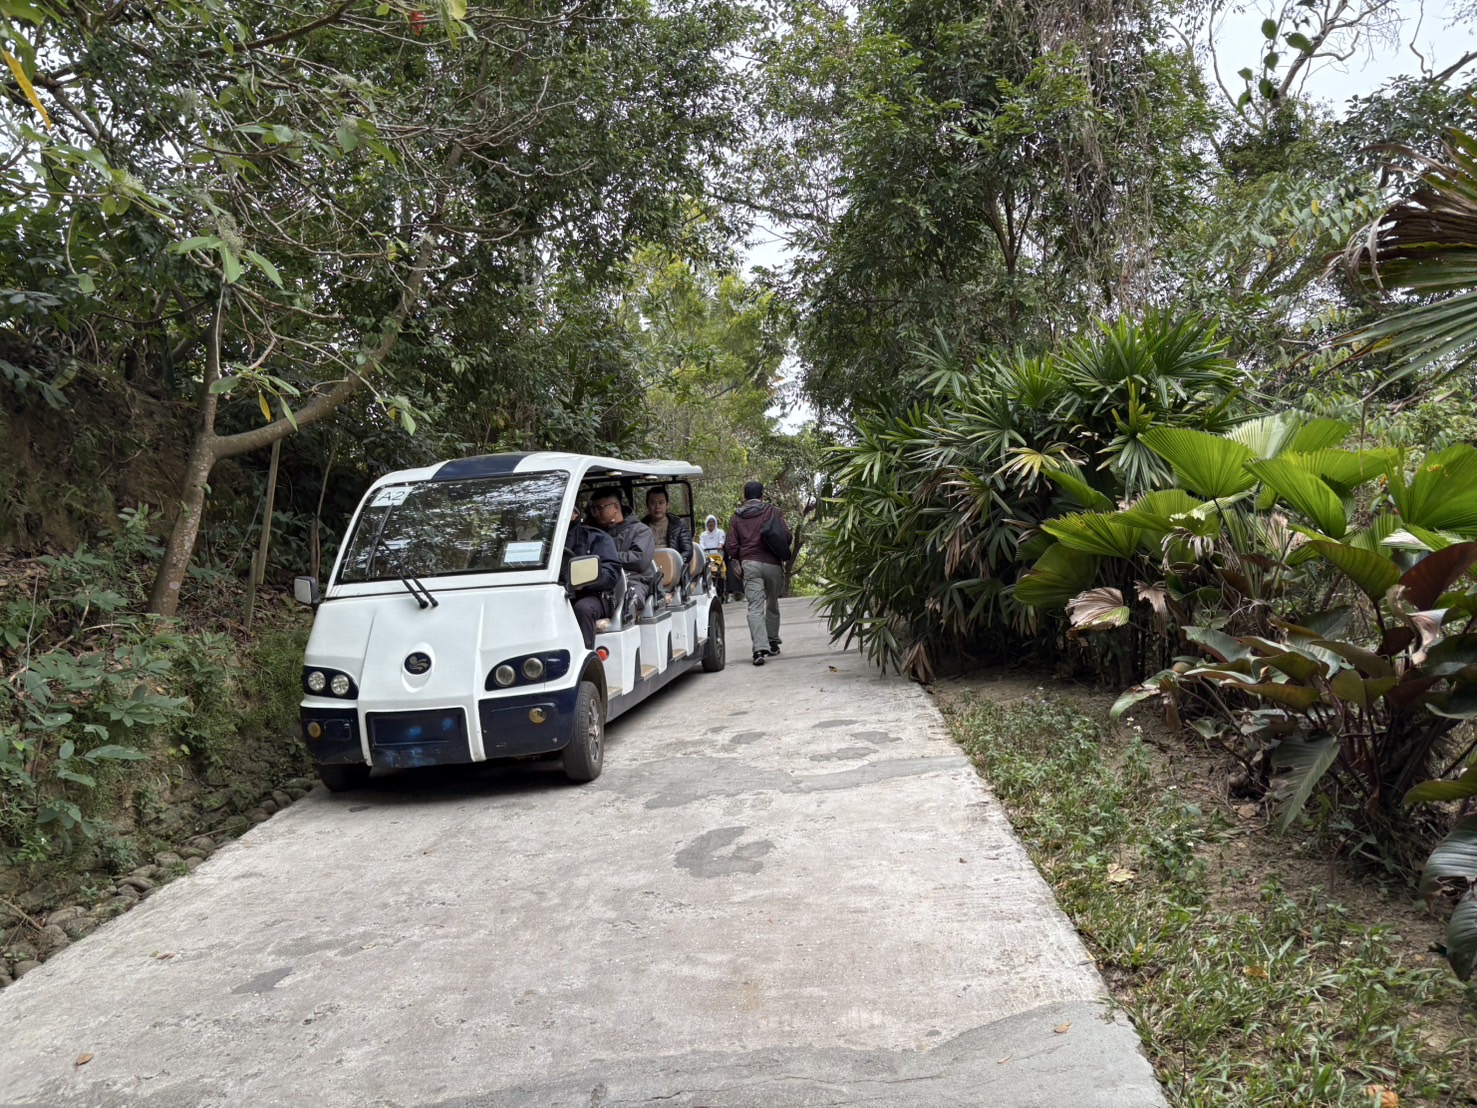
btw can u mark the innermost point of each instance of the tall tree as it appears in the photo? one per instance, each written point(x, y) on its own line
point(285, 188)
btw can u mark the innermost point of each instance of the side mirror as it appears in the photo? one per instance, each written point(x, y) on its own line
point(305, 591)
point(583, 570)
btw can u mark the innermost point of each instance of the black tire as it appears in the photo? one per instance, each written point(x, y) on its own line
point(715, 653)
point(584, 757)
point(340, 779)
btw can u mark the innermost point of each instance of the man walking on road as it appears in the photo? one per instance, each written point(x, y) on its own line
point(759, 543)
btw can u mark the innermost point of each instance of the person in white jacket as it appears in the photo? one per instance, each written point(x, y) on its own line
point(712, 536)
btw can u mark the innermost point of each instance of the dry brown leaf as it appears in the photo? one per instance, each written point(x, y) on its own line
point(1388, 1098)
point(1002, 1061)
point(83, 1059)
point(1247, 811)
point(1117, 874)
point(1063, 1028)
point(1256, 971)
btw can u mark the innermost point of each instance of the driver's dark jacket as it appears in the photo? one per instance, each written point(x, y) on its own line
point(583, 540)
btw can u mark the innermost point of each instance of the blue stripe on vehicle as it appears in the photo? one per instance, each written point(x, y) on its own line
point(483, 465)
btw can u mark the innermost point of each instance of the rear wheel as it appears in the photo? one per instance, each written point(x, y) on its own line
point(340, 779)
point(715, 655)
point(584, 757)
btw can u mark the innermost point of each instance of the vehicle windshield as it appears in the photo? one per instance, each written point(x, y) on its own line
point(440, 528)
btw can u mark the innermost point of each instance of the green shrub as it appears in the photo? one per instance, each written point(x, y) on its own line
point(925, 533)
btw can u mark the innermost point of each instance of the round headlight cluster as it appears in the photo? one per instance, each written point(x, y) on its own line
point(339, 686)
point(504, 675)
point(533, 668)
point(316, 681)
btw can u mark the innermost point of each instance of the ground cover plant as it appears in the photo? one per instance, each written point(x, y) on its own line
point(1256, 973)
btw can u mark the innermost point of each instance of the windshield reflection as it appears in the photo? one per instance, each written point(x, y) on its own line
point(442, 528)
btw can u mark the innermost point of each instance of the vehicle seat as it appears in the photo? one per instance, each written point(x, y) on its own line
point(669, 562)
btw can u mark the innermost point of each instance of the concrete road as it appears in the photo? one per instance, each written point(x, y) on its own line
point(788, 888)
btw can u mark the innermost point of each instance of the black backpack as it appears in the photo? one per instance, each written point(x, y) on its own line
point(772, 535)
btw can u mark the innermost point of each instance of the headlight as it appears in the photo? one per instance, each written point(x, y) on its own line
point(339, 685)
point(533, 669)
point(316, 681)
point(504, 675)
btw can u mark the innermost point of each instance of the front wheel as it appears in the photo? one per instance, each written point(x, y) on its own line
point(584, 757)
point(715, 655)
point(340, 779)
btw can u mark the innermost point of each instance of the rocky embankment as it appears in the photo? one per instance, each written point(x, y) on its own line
point(31, 937)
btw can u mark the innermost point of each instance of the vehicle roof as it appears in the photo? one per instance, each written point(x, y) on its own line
point(580, 466)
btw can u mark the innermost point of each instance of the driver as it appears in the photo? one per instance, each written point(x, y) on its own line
point(591, 602)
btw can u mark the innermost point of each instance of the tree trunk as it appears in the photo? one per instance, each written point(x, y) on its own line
point(209, 448)
point(164, 599)
point(259, 563)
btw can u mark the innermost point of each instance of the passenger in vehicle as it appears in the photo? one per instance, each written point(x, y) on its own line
point(634, 543)
point(593, 601)
point(668, 530)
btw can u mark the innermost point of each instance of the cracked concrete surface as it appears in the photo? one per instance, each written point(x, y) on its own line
point(788, 888)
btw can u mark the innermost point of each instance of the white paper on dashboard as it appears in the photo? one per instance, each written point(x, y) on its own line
point(523, 553)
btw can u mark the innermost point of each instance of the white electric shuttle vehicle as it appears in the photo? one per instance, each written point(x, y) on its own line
point(446, 633)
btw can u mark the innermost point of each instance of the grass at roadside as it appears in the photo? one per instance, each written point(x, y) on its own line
point(1248, 985)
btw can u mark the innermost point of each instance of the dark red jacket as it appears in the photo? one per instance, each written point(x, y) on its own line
point(743, 543)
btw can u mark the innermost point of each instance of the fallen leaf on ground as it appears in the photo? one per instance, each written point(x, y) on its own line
point(1118, 874)
point(1063, 1028)
point(83, 1059)
point(1247, 811)
point(1388, 1098)
point(1002, 1061)
point(1257, 972)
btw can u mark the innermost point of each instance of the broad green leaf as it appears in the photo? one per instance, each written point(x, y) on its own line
point(198, 242)
point(1078, 489)
point(1304, 763)
point(1094, 533)
point(1305, 491)
point(1461, 937)
point(1298, 697)
point(1206, 464)
point(1347, 469)
point(231, 264)
point(116, 753)
point(1372, 573)
point(1451, 655)
point(264, 265)
point(1296, 665)
point(1366, 661)
point(1058, 575)
point(1454, 856)
point(1348, 686)
point(1222, 645)
point(1429, 792)
point(1459, 704)
point(1138, 694)
point(1156, 512)
point(1441, 493)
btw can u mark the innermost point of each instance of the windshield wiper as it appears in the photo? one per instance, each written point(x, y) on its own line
point(413, 585)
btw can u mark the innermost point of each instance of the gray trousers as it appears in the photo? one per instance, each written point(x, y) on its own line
point(762, 584)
